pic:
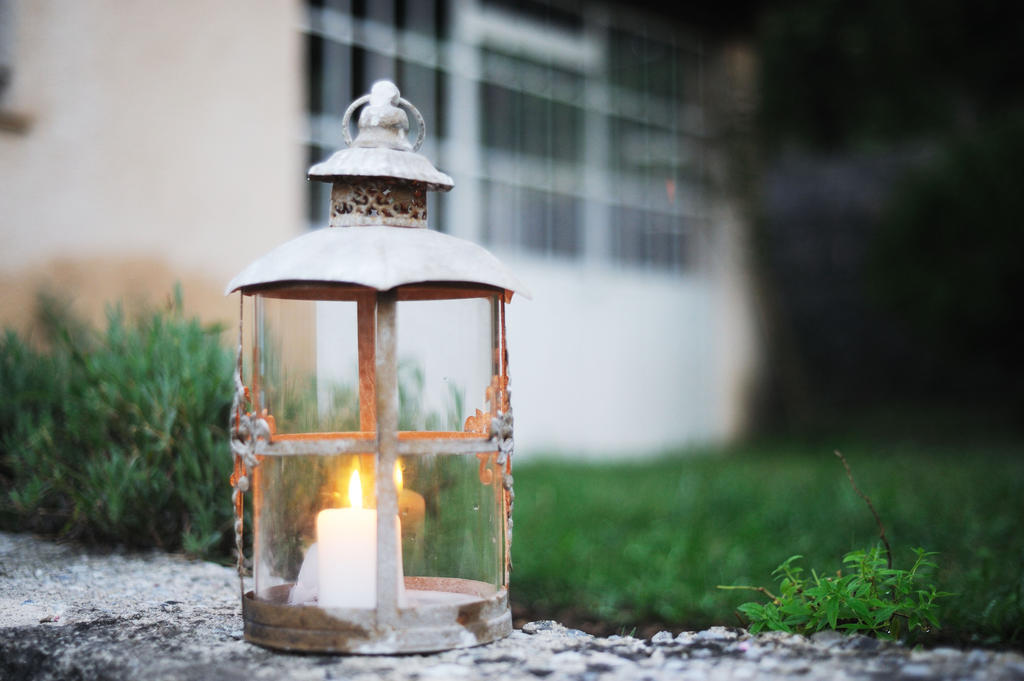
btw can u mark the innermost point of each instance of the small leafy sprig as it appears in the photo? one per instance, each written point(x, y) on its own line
point(871, 598)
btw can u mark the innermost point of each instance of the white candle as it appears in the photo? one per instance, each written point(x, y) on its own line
point(347, 557)
point(347, 554)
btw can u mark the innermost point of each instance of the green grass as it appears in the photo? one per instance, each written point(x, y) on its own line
point(649, 541)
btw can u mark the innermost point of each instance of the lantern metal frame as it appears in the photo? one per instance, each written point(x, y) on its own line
point(378, 252)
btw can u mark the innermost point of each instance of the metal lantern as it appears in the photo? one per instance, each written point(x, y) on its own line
point(371, 418)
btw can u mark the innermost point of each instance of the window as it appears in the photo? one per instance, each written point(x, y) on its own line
point(577, 130)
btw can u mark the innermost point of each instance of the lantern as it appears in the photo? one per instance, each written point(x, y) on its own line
point(371, 418)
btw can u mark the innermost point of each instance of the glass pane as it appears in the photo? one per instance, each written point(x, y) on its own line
point(451, 517)
point(314, 73)
point(419, 86)
point(451, 523)
point(308, 368)
point(444, 362)
point(549, 222)
point(291, 493)
point(648, 238)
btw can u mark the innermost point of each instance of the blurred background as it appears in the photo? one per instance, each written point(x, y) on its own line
point(742, 222)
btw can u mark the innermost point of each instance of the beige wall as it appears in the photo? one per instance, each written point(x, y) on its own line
point(146, 142)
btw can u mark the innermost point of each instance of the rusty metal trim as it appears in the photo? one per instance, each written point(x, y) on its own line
point(447, 446)
point(308, 628)
point(338, 446)
point(318, 447)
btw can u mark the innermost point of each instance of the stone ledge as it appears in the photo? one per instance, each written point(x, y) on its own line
point(73, 613)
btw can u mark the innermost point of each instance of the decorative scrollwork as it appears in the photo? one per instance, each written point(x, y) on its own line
point(501, 429)
point(246, 430)
point(378, 202)
point(480, 422)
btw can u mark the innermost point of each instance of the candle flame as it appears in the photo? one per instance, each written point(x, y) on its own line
point(355, 491)
point(398, 476)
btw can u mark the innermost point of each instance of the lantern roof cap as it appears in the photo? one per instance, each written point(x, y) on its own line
point(378, 257)
point(382, 148)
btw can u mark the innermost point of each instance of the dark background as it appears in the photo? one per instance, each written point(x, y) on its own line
point(886, 199)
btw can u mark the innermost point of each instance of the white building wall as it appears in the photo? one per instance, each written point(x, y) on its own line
point(611, 362)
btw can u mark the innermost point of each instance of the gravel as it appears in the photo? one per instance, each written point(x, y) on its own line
point(72, 613)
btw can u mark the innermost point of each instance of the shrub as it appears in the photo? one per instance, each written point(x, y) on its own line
point(119, 435)
point(872, 597)
point(869, 598)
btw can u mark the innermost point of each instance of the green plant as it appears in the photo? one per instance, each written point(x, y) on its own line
point(873, 597)
point(118, 436)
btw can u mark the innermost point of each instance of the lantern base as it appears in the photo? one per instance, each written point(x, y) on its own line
point(445, 613)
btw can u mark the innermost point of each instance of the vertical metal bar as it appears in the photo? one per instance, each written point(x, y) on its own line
point(258, 349)
point(388, 547)
point(496, 488)
point(367, 335)
point(238, 495)
point(506, 515)
point(495, 353)
point(504, 340)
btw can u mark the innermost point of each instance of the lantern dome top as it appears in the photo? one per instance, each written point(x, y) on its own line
point(382, 148)
point(379, 257)
point(378, 235)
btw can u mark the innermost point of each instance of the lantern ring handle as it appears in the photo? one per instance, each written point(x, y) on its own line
point(346, 119)
point(402, 101)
